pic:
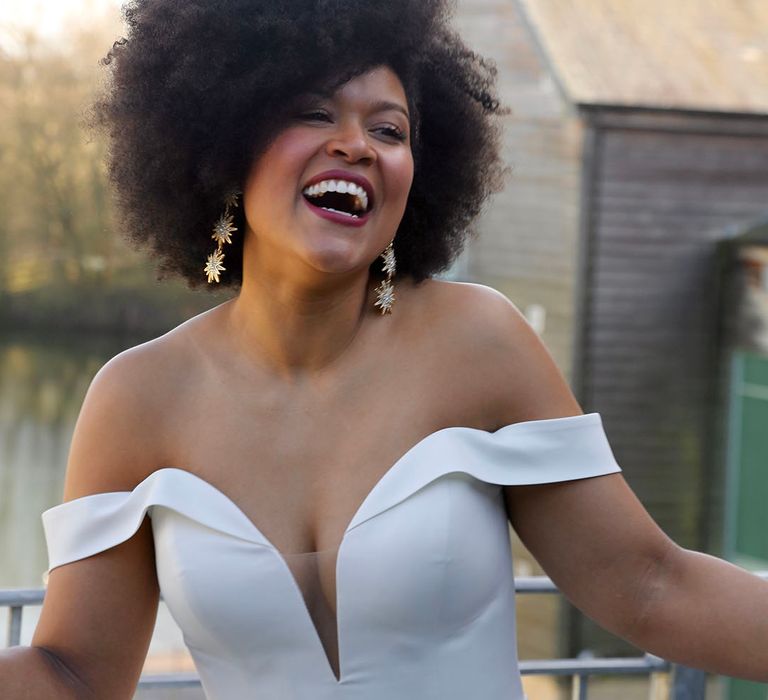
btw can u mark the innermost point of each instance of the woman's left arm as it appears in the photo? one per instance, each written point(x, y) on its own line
point(610, 559)
point(595, 539)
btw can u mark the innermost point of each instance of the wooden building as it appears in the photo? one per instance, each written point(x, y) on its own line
point(638, 140)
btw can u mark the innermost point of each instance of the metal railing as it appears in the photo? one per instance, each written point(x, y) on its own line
point(686, 683)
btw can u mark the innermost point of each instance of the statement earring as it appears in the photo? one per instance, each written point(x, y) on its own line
point(386, 291)
point(222, 232)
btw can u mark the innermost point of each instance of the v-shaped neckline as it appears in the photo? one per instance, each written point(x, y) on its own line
point(355, 516)
point(387, 475)
point(282, 557)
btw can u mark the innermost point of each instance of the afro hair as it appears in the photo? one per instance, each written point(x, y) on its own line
point(198, 88)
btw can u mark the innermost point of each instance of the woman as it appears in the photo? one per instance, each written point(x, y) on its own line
point(329, 459)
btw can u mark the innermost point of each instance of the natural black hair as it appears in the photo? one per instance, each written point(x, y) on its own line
point(198, 88)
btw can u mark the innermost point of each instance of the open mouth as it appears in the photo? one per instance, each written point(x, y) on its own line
point(339, 197)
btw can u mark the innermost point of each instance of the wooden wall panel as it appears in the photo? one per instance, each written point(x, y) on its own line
point(661, 199)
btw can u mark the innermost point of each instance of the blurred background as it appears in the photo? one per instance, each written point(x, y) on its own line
point(633, 233)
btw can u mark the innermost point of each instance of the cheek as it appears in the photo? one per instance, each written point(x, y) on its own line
point(400, 176)
point(404, 179)
point(276, 171)
point(292, 147)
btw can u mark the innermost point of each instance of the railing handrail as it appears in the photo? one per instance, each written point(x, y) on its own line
point(12, 597)
point(689, 683)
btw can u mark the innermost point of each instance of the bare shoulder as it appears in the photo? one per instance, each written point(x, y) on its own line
point(498, 354)
point(476, 302)
point(119, 436)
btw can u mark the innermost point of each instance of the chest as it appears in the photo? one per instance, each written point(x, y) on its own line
point(302, 469)
point(299, 465)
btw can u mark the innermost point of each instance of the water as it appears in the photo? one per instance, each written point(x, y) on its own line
point(43, 381)
point(42, 385)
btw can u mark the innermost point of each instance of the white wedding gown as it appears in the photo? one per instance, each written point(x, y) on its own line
point(416, 603)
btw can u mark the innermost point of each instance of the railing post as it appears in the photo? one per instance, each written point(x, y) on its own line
point(580, 683)
point(14, 626)
point(660, 681)
point(580, 687)
point(688, 683)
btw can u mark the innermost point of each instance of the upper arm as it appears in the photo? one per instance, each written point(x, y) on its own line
point(598, 544)
point(592, 536)
point(99, 612)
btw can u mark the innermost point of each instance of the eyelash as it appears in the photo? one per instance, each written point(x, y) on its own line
point(391, 131)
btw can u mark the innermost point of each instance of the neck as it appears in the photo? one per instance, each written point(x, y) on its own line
point(299, 330)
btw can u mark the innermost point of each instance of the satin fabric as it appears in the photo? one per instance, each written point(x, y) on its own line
point(424, 603)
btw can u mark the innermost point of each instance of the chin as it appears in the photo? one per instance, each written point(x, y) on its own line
point(336, 263)
point(335, 254)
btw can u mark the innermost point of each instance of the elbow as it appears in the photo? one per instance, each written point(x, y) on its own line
point(645, 622)
point(72, 684)
point(37, 673)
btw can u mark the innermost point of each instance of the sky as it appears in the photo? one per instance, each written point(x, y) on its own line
point(49, 17)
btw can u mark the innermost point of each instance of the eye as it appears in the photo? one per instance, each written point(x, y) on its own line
point(393, 132)
point(315, 115)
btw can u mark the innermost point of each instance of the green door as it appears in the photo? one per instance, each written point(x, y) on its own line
point(747, 469)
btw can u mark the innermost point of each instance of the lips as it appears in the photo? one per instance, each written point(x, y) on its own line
point(343, 219)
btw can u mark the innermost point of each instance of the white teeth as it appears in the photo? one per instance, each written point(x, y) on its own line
point(336, 211)
point(342, 187)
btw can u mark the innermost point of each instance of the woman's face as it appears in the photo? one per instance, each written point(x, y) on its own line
point(355, 141)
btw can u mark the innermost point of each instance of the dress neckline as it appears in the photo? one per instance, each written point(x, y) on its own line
point(450, 449)
point(386, 476)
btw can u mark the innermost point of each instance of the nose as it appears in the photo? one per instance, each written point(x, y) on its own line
point(350, 142)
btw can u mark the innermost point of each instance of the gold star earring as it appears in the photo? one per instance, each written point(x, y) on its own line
point(386, 291)
point(222, 232)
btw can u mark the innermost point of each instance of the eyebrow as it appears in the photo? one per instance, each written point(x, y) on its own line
point(384, 106)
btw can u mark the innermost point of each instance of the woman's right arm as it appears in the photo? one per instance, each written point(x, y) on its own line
point(94, 629)
point(99, 612)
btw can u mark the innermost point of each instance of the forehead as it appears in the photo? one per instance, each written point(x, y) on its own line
point(380, 84)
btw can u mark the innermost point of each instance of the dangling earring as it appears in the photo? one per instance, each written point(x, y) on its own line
point(386, 291)
point(222, 231)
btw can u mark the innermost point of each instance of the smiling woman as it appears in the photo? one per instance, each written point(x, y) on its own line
point(321, 484)
point(186, 127)
point(322, 206)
